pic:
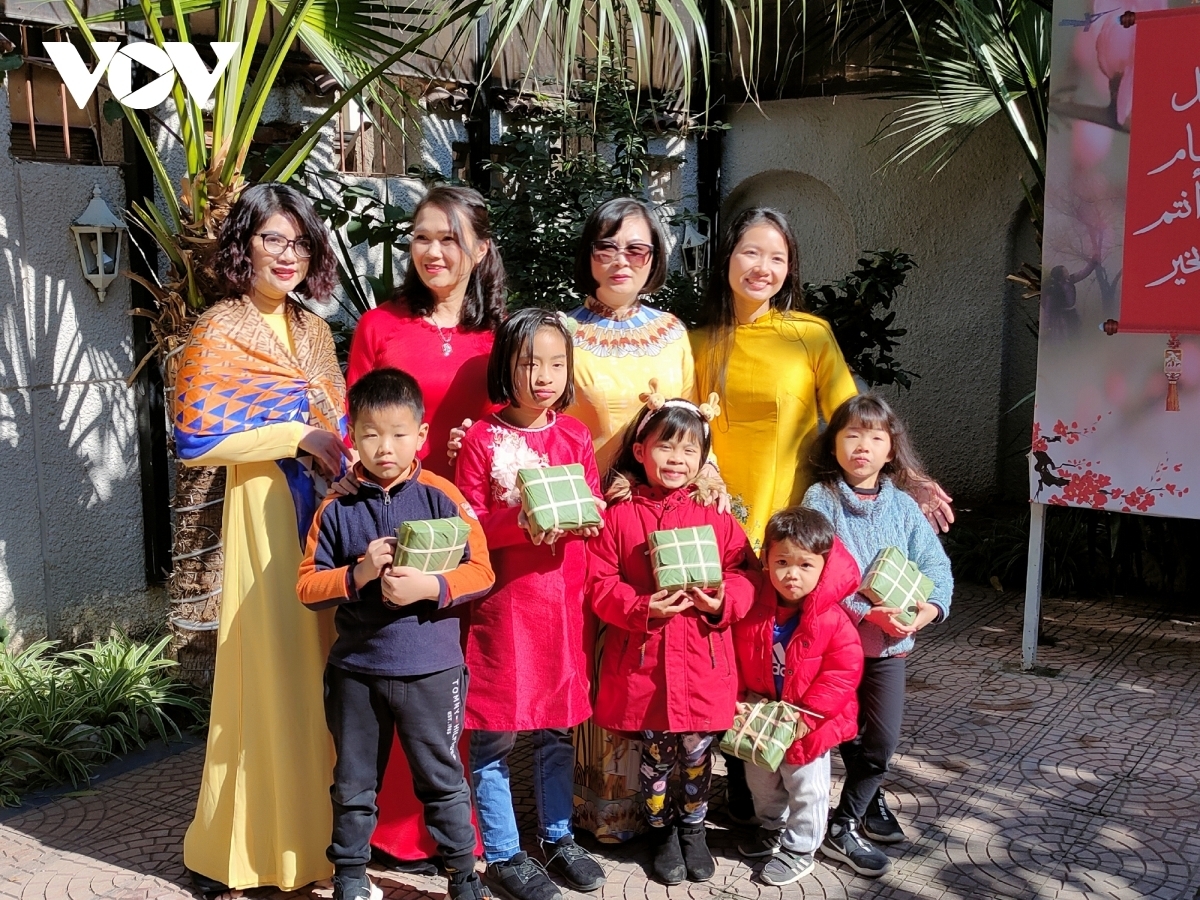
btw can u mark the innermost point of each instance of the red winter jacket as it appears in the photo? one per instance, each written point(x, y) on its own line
point(676, 674)
point(824, 659)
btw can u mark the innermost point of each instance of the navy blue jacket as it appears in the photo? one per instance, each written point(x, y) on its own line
point(373, 638)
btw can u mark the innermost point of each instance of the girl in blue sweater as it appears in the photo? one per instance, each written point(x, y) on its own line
point(863, 463)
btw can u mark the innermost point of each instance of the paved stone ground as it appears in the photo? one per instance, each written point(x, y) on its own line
point(1076, 785)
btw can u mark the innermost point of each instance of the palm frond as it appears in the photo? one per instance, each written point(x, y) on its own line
point(980, 59)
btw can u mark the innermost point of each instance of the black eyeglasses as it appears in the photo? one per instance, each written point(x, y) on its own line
point(605, 252)
point(275, 244)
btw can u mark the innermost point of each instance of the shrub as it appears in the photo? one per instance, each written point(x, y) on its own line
point(63, 714)
point(859, 309)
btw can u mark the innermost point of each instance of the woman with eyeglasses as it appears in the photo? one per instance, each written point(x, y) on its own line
point(259, 392)
point(439, 327)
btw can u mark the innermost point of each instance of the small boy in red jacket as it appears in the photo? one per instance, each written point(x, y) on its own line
point(799, 645)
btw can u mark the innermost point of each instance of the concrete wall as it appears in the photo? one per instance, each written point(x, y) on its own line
point(71, 557)
point(811, 159)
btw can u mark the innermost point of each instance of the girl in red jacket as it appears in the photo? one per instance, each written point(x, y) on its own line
point(668, 671)
point(798, 645)
point(525, 646)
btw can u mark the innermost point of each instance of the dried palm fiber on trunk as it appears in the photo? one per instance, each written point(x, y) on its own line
point(197, 570)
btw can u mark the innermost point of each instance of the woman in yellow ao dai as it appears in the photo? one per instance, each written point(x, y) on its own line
point(774, 368)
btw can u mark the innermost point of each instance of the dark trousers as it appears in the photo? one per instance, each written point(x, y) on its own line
point(362, 712)
point(880, 714)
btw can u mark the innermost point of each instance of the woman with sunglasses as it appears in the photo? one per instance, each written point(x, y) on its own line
point(620, 345)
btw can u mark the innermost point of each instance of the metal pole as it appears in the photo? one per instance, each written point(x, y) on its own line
point(1033, 585)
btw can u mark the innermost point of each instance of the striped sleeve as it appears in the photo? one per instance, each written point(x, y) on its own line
point(474, 577)
point(321, 583)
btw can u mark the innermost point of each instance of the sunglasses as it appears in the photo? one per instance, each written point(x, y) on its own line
point(637, 255)
point(275, 244)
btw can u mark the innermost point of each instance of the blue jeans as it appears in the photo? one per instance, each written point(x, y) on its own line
point(553, 771)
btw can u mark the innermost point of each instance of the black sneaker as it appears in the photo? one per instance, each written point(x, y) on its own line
point(697, 858)
point(668, 866)
point(577, 867)
point(880, 824)
point(764, 843)
point(843, 842)
point(786, 866)
point(355, 887)
point(520, 878)
point(470, 888)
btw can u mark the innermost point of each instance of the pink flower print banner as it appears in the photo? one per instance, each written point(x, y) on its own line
point(1102, 437)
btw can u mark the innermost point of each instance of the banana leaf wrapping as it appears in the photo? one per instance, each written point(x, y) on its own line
point(762, 732)
point(431, 545)
point(557, 497)
point(894, 580)
point(685, 558)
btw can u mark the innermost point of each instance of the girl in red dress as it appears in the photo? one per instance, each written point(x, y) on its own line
point(525, 648)
point(439, 327)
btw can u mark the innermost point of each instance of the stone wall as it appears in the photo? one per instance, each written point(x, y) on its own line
point(965, 226)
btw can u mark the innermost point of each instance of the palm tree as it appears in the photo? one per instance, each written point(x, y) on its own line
point(358, 42)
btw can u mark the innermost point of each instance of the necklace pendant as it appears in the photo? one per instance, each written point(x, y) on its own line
point(445, 348)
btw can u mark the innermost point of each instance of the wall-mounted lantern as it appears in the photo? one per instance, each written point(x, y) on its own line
point(693, 247)
point(99, 234)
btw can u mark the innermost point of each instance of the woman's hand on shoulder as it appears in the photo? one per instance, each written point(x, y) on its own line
point(327, 449)
point(456, 438)
point(710, 490)
point(934, 503)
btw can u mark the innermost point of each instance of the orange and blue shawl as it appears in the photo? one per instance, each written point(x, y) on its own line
point(236, 375)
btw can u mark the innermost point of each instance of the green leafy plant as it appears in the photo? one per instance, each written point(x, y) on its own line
point(859, 309)
point(361, 217)
point(563, 159)
point(62, 714)
point(550, 169)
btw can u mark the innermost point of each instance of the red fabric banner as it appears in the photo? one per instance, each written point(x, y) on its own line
point(1160, 290)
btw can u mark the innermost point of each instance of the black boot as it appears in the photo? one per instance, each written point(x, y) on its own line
point(696, 857)
point(668, 866)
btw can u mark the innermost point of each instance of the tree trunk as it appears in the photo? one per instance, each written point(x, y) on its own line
point(198, 567)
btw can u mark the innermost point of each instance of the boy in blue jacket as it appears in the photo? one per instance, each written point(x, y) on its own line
point(397, 664)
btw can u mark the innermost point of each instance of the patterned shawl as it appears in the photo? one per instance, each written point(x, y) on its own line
point(236, 375)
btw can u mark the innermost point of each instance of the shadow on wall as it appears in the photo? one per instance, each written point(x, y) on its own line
point(819, 218)
point(71, 546)
point(1018, 362)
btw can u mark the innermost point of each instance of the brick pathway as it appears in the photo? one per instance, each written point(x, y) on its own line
point(1080, 785)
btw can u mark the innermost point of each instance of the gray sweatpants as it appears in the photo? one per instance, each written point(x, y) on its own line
point(794, 800)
